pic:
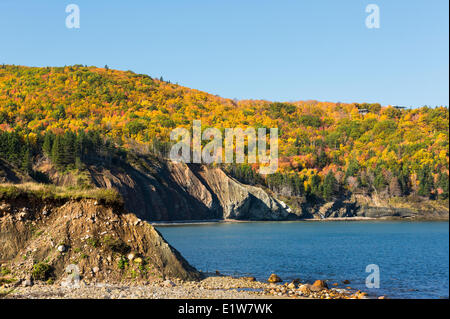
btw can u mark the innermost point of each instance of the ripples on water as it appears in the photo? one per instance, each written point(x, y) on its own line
point(413, 256)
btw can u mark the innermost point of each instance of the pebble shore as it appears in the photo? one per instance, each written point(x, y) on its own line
point(216, 287)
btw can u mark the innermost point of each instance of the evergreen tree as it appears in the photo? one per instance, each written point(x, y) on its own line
point(13, 148)
point(57, 156)
point(48, 144)
point(329, 186)
point(26, 159)
point(322, 159)
point(353, 168)
point(442, 183)
point(68, 142)
point(80, 144)
point(403, 176)
point(380, 181)
point(426, 182)
point(315, 185)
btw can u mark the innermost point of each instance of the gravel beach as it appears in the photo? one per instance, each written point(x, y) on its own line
point(217, 287)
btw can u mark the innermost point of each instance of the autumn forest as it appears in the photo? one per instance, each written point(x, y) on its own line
point(74, 115)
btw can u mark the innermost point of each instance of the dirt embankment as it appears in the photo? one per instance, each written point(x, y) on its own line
point(42, 238)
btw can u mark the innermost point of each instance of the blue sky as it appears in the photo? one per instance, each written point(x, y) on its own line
point(282, 50)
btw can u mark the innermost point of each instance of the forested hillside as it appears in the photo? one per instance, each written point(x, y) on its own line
point(76, 114)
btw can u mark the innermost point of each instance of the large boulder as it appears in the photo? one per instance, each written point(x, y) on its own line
point(320, 284)
point(274, 278)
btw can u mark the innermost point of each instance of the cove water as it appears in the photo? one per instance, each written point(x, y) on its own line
point(413, 257)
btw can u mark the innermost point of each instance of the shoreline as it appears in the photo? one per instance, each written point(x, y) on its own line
point(330, 219)
point(220, 287)
point(215, 287)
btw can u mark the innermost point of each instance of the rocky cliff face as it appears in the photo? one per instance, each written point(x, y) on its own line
point(226, 196)
point(412, 207)
point(375, 207)
point(166, 191)
point(156, 190)
point(103, 242)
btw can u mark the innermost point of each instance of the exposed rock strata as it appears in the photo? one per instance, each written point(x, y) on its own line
point(158, 191)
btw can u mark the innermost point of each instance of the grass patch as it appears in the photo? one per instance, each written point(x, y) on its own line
point(133, 274)
point(93, 242)
point(10, 192)
point(38, 233)
point(122, 263)
point(107, 196)
point(7, 281)
point(4, 271)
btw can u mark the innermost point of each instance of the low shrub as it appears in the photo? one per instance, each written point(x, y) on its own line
point(116, 245)
point(122, 263)
point(42, 271)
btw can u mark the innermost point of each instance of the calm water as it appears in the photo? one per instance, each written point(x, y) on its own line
point(413, 257)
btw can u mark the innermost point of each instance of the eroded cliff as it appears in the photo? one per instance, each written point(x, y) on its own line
point(167, 191)
point(159, 190)
point(104, 242)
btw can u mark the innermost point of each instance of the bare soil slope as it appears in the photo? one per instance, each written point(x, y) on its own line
point(105, 242)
